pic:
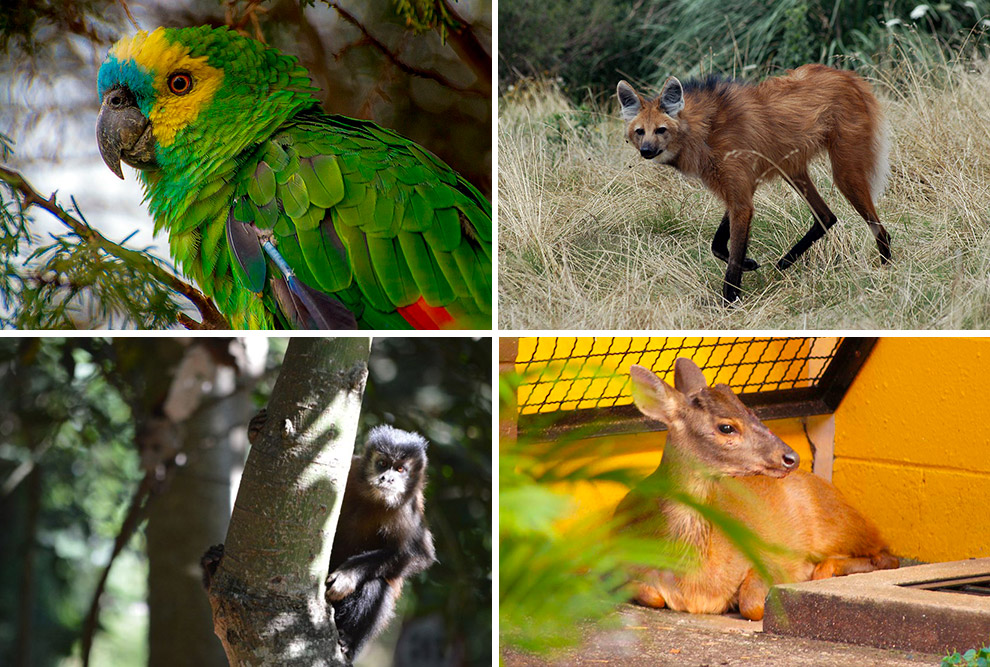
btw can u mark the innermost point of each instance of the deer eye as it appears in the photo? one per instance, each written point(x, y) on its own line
point(640, 131)
point(726, 428)
point(660, 130)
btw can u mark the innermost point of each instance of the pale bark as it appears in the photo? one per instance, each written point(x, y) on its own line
point(268, 593)
point(211, 403)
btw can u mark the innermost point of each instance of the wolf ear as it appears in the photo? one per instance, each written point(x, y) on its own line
point(672, 97)
point(629, 101)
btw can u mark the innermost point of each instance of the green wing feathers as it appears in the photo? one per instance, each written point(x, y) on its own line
point(363, 215)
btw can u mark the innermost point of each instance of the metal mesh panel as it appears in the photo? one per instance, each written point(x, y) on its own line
point(585, 379)
point(576, 373)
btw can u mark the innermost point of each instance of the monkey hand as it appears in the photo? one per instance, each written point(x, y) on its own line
point(342, 582)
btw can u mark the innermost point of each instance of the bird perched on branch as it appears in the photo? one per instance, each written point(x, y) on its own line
point(285, 215)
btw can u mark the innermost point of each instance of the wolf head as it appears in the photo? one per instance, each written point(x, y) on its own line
point(653, 125)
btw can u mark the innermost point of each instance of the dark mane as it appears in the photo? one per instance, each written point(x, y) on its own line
point(713, 82)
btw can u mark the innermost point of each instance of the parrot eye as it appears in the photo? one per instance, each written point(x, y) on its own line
point(180, 83)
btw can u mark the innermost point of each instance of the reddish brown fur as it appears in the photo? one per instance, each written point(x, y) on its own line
point(823, 535)
point(734, 136)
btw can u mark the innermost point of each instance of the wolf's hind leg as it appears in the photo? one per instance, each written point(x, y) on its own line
point(720, 245)
point(824, 218)
point(857, 191)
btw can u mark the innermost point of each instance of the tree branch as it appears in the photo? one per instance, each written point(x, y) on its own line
point(466, 44)
point(394, 59)
point(211, 317)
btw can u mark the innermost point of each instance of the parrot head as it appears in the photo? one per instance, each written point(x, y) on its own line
point(179, 99)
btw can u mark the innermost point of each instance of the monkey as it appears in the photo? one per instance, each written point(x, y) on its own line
point(382, 536)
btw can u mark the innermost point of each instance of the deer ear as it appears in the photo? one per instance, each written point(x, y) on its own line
point(688, 378)
point(654, 397)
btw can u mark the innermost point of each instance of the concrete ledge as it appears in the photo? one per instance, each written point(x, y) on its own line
point(875, 609)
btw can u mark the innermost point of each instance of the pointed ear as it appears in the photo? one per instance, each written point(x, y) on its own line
point(672, 97)
point(654, 397)
point(629, 101)
point(688, 378)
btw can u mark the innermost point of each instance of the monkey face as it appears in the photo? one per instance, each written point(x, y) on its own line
point(388, 478)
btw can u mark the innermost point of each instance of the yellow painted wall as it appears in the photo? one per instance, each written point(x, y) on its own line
point(912, 445)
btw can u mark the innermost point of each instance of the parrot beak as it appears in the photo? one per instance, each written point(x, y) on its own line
point(123, 132)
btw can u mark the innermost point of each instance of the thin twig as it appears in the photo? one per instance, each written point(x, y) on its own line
point(127, 10)
point(211, 317)
point(133, 519)
point(394, 59)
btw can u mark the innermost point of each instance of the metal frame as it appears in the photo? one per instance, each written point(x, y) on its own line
point(820, 399)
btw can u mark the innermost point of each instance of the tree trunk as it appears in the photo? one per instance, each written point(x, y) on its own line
point(193, 514)
point(268, 592)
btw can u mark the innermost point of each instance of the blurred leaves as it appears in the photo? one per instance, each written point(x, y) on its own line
point(441, 388)
point(603, 41)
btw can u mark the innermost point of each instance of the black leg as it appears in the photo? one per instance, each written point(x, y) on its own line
point(824, 218)
point(720, 245)
point(739, 238)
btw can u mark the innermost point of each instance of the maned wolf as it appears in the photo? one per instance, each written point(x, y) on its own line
point(734, 135)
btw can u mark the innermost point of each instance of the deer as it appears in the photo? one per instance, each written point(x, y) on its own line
point(719, 453)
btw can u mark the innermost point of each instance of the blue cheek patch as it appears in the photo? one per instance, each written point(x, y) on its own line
point(127, 73)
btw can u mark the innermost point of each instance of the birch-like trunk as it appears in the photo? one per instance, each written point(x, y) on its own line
point(268, 593)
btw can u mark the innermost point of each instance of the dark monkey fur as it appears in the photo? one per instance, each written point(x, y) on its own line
point(382, 536)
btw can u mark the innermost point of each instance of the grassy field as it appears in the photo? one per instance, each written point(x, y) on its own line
point(591, 236)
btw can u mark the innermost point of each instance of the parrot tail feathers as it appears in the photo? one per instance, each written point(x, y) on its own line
point(307, 308)
point(304, 306)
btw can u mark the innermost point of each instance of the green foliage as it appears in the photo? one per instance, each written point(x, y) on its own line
point(424, 15)
point(76, 279)
point(67, 453)
point(593, 44)
point(586, 43)
point(692, 36)
point(971, 658)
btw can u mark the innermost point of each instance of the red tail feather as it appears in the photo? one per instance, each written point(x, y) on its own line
point(422, 316)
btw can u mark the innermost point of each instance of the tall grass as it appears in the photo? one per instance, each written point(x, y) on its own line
point(591, 236)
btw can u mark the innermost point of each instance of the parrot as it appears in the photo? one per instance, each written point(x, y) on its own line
point(286, 216)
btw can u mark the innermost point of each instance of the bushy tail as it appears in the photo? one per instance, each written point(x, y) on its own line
point(881, 160)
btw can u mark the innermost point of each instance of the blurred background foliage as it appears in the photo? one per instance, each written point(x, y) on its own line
point(420, 67)
point(588, 45)
point(69, 465)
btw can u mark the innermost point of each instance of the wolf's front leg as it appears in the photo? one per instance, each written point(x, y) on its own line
point(720, 245)
point(740, 216)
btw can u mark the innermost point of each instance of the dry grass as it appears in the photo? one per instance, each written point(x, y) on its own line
point(591, 236)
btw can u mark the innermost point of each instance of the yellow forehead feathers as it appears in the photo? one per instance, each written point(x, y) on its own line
point(154, 53)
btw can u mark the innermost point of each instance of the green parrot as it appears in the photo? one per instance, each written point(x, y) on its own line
point(286, 216)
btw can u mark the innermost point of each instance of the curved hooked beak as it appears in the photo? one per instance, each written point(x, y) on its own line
point(123, 133)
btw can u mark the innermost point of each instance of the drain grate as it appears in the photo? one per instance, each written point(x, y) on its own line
point(978, 585)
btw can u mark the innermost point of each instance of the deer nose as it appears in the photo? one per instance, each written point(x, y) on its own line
point(790, 459)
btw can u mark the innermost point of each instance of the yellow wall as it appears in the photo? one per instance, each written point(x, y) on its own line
point(912, 448)
point(912, 445)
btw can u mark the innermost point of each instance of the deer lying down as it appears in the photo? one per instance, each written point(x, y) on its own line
point(713, 436)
